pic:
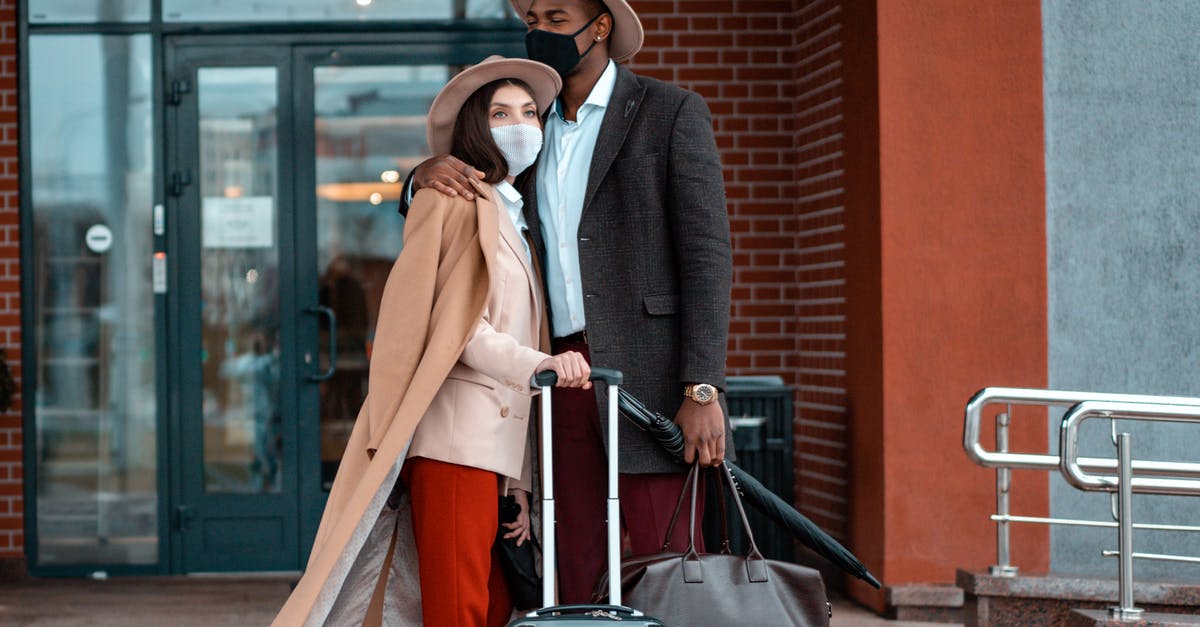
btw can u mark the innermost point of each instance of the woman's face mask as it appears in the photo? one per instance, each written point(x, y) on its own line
point(516, 127)
point(520, 144)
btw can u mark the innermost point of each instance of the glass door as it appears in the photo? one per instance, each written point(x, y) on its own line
point(361, 116)
point(236, 324)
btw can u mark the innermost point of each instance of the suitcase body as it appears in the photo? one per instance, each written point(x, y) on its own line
point(566, 615)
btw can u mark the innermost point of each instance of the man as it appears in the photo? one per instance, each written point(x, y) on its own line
point(626, 209)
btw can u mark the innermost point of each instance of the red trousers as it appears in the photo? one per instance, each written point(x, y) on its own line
point(581, 493)
point(455, 516)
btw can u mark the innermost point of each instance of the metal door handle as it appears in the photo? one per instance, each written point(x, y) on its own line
point(321, 310)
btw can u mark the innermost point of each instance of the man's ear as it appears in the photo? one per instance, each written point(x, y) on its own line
point(603, 26)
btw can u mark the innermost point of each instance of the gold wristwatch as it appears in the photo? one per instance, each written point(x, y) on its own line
point(702, 393)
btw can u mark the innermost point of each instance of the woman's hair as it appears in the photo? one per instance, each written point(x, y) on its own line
point(472, 139)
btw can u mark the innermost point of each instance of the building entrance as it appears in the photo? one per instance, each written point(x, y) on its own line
point(284, 164)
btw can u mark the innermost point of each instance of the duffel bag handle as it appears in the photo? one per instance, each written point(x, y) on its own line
point(756, 568)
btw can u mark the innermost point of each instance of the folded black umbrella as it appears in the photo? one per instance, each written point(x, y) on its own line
point(751, 490)
point(518, 562)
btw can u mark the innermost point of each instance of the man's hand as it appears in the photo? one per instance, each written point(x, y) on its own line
point(703, 432)
point(447, 175)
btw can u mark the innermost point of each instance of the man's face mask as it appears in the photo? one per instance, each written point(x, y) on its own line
point(556, 49)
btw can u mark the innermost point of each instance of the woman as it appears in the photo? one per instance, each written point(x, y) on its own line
point(448, 402)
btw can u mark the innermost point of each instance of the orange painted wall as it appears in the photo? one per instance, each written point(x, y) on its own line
point(960, 301)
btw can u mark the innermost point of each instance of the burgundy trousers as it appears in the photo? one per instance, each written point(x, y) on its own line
point(581, 492)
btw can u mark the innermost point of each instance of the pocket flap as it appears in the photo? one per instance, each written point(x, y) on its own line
point(661, 304)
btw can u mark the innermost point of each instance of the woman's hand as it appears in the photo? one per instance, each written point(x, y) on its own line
point(572, 370)
point(519, 527)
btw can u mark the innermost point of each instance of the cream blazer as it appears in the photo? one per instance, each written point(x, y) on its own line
point(480, 415)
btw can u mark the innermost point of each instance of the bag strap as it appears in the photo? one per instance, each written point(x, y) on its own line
point(666, 546)
point(691, 560)
point(756, 567)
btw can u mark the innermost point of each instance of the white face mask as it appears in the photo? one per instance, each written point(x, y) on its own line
point(520, 144)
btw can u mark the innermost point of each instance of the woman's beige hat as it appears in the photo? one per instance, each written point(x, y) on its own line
point(541, 78)
point(627, 34)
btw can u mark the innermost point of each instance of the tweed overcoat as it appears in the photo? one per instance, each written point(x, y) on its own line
point(654, 252)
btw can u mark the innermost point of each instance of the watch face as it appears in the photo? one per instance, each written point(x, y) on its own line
point(704, 393)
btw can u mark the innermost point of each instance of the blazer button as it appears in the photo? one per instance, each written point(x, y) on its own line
point(504, 411)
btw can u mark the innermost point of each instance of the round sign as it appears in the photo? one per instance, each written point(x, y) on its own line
point(98, 238)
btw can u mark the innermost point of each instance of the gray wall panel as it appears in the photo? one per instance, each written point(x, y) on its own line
point(1122, 105)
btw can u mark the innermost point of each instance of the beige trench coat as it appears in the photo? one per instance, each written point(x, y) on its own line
point(431, 316)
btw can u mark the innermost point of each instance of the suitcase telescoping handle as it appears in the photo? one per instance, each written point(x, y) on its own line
point(546, 381)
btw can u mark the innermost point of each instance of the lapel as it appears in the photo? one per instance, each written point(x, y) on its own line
point(622, 106)
point(542, 310)
point(527, 185)
point(508, 232)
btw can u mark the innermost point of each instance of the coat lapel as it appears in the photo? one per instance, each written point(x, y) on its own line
point(622, 108)
point(490, 201)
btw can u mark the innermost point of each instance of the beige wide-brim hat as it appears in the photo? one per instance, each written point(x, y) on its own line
point(439, 127)
point(627, 33)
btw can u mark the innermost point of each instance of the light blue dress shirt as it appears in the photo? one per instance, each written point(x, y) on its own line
point(513, 203)
point(562, 178)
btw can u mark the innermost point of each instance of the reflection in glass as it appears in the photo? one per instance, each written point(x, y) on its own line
point(326, 10)
point(370, 132)
point(88, 11)
point(239, 285)
point(95, 414)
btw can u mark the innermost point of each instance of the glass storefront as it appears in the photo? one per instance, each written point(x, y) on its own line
point(91, 166)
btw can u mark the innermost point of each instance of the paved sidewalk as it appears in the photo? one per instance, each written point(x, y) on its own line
point(205, 601)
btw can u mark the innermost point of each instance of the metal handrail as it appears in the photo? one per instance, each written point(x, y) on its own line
point(1077, 476)
point(972, 427)
point(1115, 475)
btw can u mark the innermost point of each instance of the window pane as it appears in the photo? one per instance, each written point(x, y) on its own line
point(370, 132)
point(88, 11)
point(239, 279)
point(95, 412)
point(323, 10)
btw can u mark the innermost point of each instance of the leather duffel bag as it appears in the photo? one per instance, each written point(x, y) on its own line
point(713, 589)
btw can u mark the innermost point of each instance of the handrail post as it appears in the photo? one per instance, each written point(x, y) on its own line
point(1126, 610)
point(1003, 567)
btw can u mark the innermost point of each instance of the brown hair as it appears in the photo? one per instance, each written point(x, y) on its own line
point(472, 139)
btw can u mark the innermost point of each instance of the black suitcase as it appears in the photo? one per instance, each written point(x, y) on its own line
point(567, 615)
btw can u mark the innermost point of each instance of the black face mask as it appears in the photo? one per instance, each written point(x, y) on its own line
point(557, 50)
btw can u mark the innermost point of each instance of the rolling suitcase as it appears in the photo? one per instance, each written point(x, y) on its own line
point(567, 615)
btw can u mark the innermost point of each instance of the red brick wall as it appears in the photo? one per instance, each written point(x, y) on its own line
point(11, 504)
point(770, 72)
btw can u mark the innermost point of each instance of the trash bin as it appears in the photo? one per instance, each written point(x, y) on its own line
point(760, 408)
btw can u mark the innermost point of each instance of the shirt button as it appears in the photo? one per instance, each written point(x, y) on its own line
point(504, 411)
point(562, 244)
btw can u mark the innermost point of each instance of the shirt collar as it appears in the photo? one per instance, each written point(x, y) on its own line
point(601, 92)
point(509, 192)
